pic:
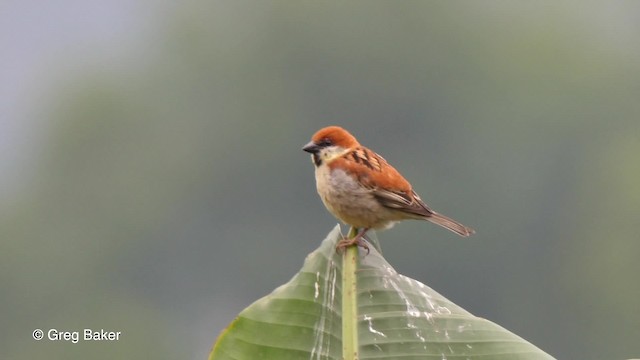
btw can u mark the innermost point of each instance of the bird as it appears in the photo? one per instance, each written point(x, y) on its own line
point(361, 189)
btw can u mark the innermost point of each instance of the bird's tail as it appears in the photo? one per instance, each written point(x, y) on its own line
point(450, 224)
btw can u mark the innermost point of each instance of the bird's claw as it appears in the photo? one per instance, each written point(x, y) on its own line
point(345, 243)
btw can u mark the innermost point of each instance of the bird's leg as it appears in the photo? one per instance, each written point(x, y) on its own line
point(356, 240)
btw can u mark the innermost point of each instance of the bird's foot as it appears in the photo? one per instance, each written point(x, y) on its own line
point(356, 240)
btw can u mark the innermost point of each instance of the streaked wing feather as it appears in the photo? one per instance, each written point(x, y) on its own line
point(387, 185)
point(402, 201)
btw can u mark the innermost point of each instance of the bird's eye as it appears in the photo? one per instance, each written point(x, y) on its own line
point(325, 142)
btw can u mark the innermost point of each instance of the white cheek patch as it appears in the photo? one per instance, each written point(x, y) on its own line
point(332, 152)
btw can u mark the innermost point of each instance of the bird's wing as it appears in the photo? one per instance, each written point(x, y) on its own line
point(409, 203)
point(373, 172)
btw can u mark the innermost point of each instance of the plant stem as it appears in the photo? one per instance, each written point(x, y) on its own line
point(349, 304)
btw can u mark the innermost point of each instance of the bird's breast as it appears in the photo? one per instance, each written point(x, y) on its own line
point(348, 200)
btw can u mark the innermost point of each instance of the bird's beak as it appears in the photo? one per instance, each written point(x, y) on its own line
point(311, 147)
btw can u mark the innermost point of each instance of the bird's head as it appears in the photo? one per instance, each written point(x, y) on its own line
point(329, 143)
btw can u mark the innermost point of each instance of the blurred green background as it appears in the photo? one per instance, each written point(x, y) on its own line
point(153, 183)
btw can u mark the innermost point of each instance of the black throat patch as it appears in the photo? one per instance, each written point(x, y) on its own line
point(316, 159)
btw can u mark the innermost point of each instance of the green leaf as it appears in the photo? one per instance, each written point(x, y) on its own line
point(398, 318)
